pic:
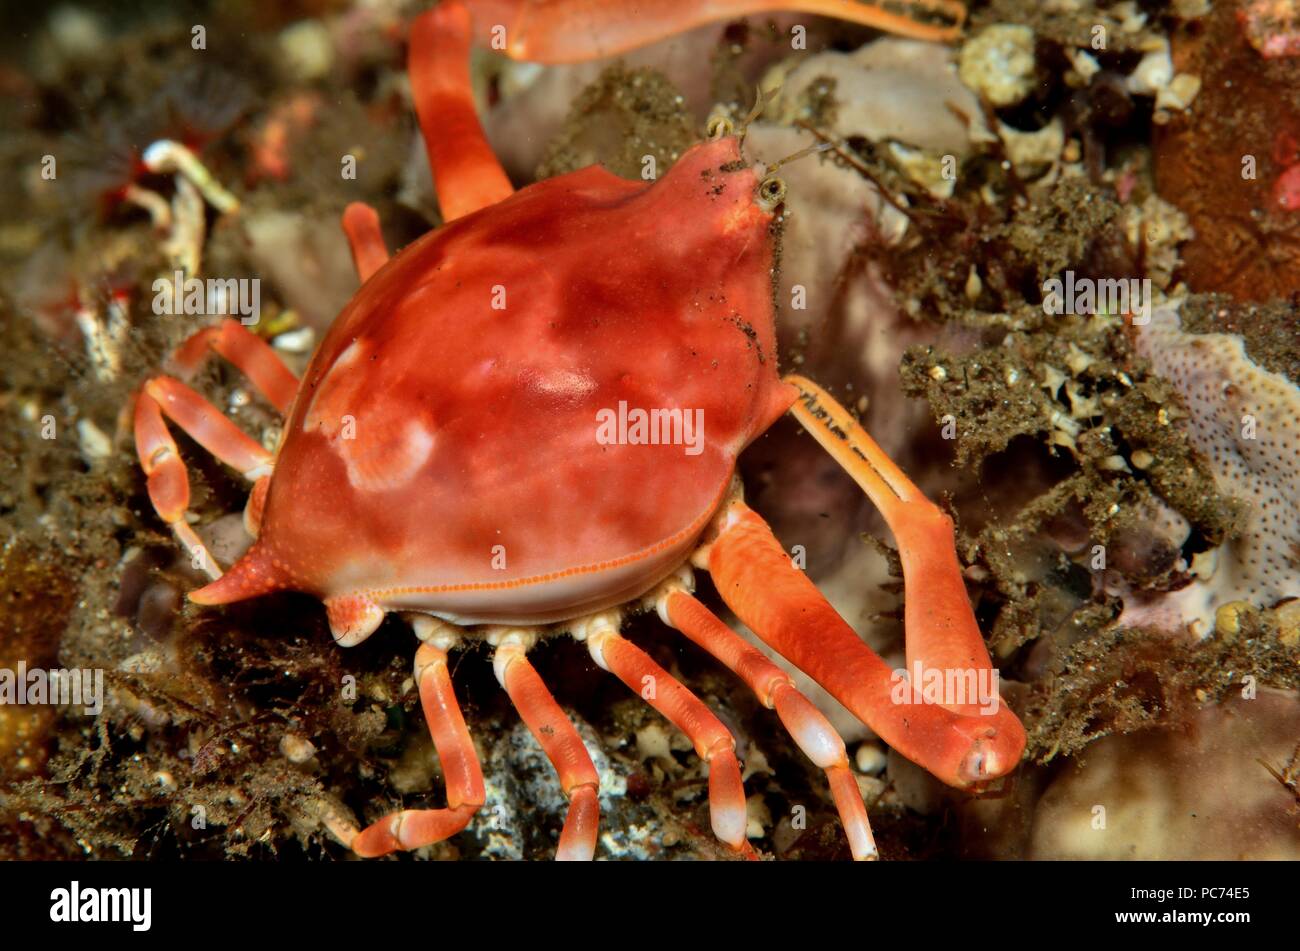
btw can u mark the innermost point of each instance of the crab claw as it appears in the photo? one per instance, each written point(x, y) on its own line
point(778, 602)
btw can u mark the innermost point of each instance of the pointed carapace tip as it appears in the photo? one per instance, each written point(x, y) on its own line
point(252, 575)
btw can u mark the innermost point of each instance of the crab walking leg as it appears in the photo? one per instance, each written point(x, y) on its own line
point(713, 743)
point(361, 225)
point(774, 689)
point(208, 427)
point(561, 743)
point(941, 629)
point(252, 355)
point(570, 31)
point(466, 173)
point(777, 601)
point(413, 828)
point(168, 482)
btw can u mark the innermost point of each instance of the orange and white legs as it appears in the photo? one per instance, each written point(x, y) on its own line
point(165, 396)
point(754, 576)
point(941, 628)
point(570, 31)
point(413, 828)
point(713, 743)
point(466, 173)
point(250, 353)
point(806, 724)
point(962, 731)
point(557, 738)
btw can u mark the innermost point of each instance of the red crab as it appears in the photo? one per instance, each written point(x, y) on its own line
point(450, 453)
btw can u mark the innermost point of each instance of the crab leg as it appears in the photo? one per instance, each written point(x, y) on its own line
point(713, 743)
point(169, 485)
point(778, 602)
point(361, 225)
point(774, 689)
point(208, 427)
point(941, 628)
point(466, 173)
point(561, 743)
point(569, 31)
point(168, 482)
point(251, 354)
point(413, 828)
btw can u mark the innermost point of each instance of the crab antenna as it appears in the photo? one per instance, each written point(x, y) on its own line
point(761, 100)
point(802, 153)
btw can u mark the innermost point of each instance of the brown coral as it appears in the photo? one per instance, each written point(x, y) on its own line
point(1221, 159)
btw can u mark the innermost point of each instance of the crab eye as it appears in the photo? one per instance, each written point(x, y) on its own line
point(771, 192)
point(719, 127)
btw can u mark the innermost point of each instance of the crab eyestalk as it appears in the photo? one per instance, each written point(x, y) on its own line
point(718, 127)
point(771, 192)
